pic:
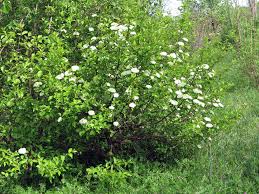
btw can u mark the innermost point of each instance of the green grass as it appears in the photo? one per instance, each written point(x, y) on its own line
point(228, 164)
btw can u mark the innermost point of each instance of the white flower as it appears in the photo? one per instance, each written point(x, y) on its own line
point(76, 34)
point(205, 66)
point(59, 119)
point(85, 46)
point(68, 73)
point(215, 104)
point(197, 91)
point(22, 151)
point(196, 101)
point(75, 68)
point(153, 62)
point(60, 76)
point(207, 119)
point(37, 84)
point(180, 51)
point(91, 29)
point(185, 39)
point(192, 73)
point(132, 105)
point(133, 33)
point(112, 90)
point(94, 15)
point(83, 121)
point(72, 79)
point(116, 95)
point(148, 86)
point(221, 105)
point(164, 54)
point(134, 70)
point(199, 146)
point(111, 107)
point(91, 112)
point(186, 96)
point(180, 43)
point(135, 97)
point(209, 125)
point(81, 81)
point(209, 138)
point(173, 55)
point(116, 124)
point(177, 82)
point(211, 74)
point(93, 48)
point(158, 75)
point(179, 92)
point(174, 102)
point(93, 38)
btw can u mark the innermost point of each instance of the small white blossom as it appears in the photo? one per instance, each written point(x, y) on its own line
point(132, 105)
point(173, 55)
point(94, 15)
point(174, 102)
point(207, 119)
point(91, 29)
point(135, 70)
point(199, 146)
point(112, 90)
point(85, 46)
point(68, 73)
point(72, 79)
point(91, 112)
point(153, 62)
point(116, 124)
point(185, 39)
point(215, 104)
point(93, 48)
point(37, 84)
point(111, 107)
point(205, 66)
point(211, 74)
point(76, 34)
point(116, 95)
point(197, 91)
point(83, 121)
point(22, 151)
point(75, 68)
point(135, 97)
point(164, 54)
point(59, 119)
point(180, 43)
point(93, 38)
point(177, 82)
point(133, 33)
point(209, 125)
point(148, 86)
point(60, 76)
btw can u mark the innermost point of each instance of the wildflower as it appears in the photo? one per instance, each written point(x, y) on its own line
point(173, 55)
point(177, 82)
point(164, 54)
point(153, 62)
point(76, 34)
point(91, 29)
point(93, 48)
point(192, 73)
point(85, 46)
point(209, 138)
point(135, 97)
point(199, 146)
point(132, 105)
point(60, 76)
point(197, 91)
point(148, 86)
point(207, 119)
point(135, 70)
point(91, 112)
point(68, 73)
point(111, 107)
point(158, 75)
point(174, 102)
point(94, 15)
point(37, 84)
point(133, 33)
point(205, 66)
point(83, 121)
point(116, 95)
point(221, 105)
point(22, 151)
point(186, 96)
point(211, 74)
point(75, 68)
point(112, 90)
point(59, 119)
point(72, 79)
point(215, 104)
point(93, 38)
point(180, 43)
point(185, 39)
point(116, 124)
point(209, 125)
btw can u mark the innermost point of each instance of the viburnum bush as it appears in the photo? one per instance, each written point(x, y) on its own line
point(83, 81)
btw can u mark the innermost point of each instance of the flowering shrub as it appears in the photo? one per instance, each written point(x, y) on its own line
point(95, 82)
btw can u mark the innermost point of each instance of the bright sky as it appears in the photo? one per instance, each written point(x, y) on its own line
point(171, 6)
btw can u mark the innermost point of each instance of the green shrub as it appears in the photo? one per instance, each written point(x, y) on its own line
point(82, 81)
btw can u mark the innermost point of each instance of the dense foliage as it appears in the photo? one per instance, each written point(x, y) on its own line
point(83, 81)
